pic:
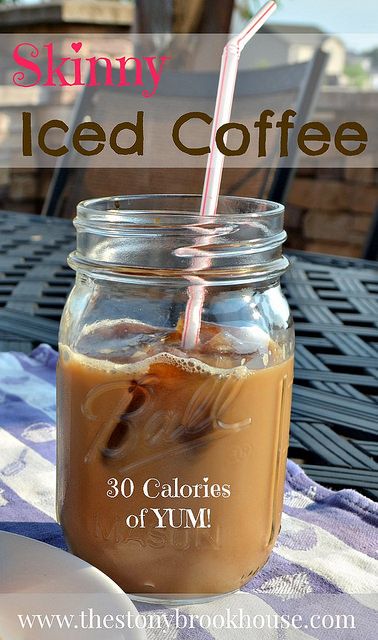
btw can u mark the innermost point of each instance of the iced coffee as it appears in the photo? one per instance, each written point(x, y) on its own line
point(171, 466)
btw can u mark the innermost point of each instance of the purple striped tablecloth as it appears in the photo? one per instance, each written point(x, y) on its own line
point(325, 558)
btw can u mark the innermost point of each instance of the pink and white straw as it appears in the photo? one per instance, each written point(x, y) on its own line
point(215, 162)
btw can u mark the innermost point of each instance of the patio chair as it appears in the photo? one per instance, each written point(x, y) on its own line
point(370, 251)
point(300, 82)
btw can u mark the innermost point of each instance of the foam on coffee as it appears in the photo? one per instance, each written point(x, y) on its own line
point(189, 365)
point(171, 353)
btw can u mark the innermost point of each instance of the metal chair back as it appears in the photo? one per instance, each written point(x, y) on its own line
point(299, 81)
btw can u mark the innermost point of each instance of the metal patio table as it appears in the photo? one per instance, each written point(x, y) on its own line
point(334, 301)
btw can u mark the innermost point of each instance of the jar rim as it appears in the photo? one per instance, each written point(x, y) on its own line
point(235, 208)
point(165, 236)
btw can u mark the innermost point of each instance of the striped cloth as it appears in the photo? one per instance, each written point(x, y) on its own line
point(325, 557)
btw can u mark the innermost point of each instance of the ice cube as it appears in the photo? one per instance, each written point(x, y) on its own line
point(238, 340)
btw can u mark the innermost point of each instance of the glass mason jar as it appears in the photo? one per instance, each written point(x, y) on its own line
point(171, 460)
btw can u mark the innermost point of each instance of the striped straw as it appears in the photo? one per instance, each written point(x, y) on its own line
point(214, 168)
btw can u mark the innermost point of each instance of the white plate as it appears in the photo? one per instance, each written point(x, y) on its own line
point(36, 578)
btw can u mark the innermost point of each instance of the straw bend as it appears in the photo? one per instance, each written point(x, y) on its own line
point(240, 40)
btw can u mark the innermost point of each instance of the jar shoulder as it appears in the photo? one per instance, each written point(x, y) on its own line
point(124, 317)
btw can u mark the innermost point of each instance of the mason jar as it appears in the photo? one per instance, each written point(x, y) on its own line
point(172, 452)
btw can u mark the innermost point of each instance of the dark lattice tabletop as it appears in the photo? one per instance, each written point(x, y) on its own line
point(335, 308)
